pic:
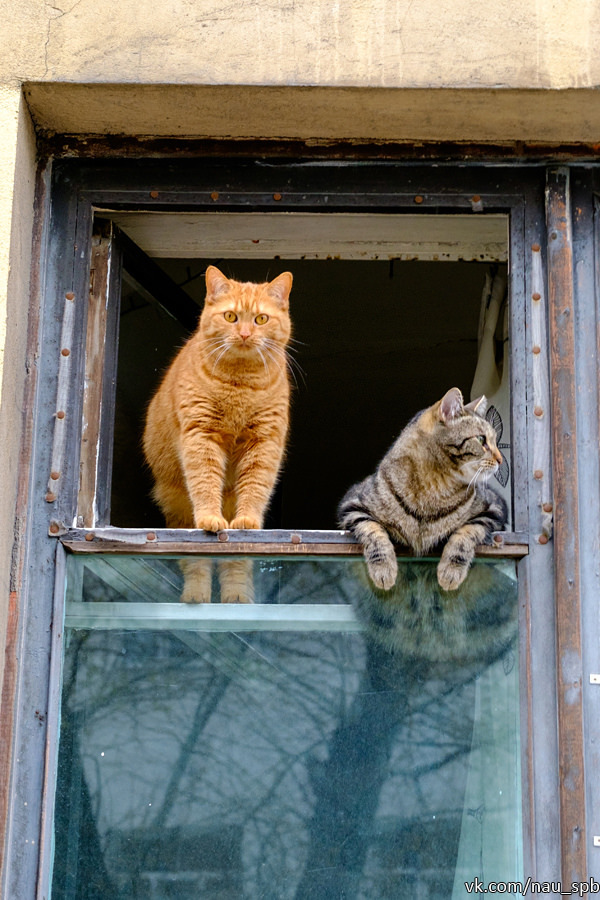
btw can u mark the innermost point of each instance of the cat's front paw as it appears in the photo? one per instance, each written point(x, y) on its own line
point(383, 572)
point(451, 574)
point(195, 593)
point(237, 595)
point(211, 522)
point(197, 580)
point(245, 522)
point(236, 580)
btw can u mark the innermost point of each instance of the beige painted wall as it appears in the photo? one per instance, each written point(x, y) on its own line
point(17, 171)
point(367, 69)
point(334, 69)
point(375, 43)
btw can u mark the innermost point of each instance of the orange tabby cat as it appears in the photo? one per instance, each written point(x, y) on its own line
point(216, 427)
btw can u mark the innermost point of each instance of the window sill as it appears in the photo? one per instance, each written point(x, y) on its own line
point(236, 542)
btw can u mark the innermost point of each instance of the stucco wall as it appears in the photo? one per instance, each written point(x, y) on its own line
point(362, 69)
point(17, 170)
point(379, 43)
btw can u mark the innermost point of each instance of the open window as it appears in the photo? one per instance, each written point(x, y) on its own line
point(315, 742)
point(388, 313)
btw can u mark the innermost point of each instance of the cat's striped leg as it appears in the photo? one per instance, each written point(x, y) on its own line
point(197, 580)
point(204, 462)
point(459, 551)
point(197, 573)
point(236, 578)
point(457, 556)
point(256, 473)
point(378, 549)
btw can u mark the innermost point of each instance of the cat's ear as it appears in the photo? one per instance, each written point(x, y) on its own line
point(279, 289)
point(216, 283)
point(451, 406)
point(478, 406)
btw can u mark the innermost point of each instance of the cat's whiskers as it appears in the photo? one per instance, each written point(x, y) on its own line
point(271, 356)
point(273, 350)
point(221, 355)
point(489, 471)
point(260, 353)
point(290, 363)
point(293, 366)
point(473, 480)
point(218, 347)
point(207, 340)
point(215, 341)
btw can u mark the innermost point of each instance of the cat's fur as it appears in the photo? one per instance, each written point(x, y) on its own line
point(216, 427)
point(430, 487)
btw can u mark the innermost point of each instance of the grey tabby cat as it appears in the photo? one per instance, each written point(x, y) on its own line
point(427, 489)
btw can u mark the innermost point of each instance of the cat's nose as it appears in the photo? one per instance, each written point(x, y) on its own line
point(497, 456)
point(244, 335)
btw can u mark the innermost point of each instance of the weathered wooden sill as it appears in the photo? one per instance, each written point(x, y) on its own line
point(258, 543)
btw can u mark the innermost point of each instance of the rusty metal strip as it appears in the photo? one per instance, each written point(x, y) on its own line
point(566, 526)
point(541, 397)
point(62, 396)
point(135, 537)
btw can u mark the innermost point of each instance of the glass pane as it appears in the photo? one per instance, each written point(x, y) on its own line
point(322, 742)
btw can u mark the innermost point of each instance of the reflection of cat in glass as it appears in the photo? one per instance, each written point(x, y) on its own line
point(417, 620)
point(431, 486)
point(216, 427)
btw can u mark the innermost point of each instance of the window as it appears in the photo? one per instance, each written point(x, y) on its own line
point(301, 744)
point(357, 306)
point(312, 744)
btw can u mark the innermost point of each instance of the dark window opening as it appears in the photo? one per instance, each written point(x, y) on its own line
point(375, 341)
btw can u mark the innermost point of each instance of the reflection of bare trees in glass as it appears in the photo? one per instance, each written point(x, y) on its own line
point(410, 723)
point(263, 765)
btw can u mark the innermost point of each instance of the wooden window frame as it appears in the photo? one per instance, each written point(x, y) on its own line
point(538, 201)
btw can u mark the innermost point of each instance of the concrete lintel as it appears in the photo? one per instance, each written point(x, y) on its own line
point(316, 113)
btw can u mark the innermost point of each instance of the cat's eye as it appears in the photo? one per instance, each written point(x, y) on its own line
point(261, 319)
point(230, 316)
point(481, 438)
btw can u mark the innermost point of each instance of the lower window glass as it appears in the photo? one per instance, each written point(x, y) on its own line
point(321, 741)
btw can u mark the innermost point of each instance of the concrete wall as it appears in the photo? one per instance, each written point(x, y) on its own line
point(379, 43)
point(362, 69)
point(17, 173)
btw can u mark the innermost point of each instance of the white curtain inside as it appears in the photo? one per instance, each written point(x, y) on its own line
point(492, 373)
